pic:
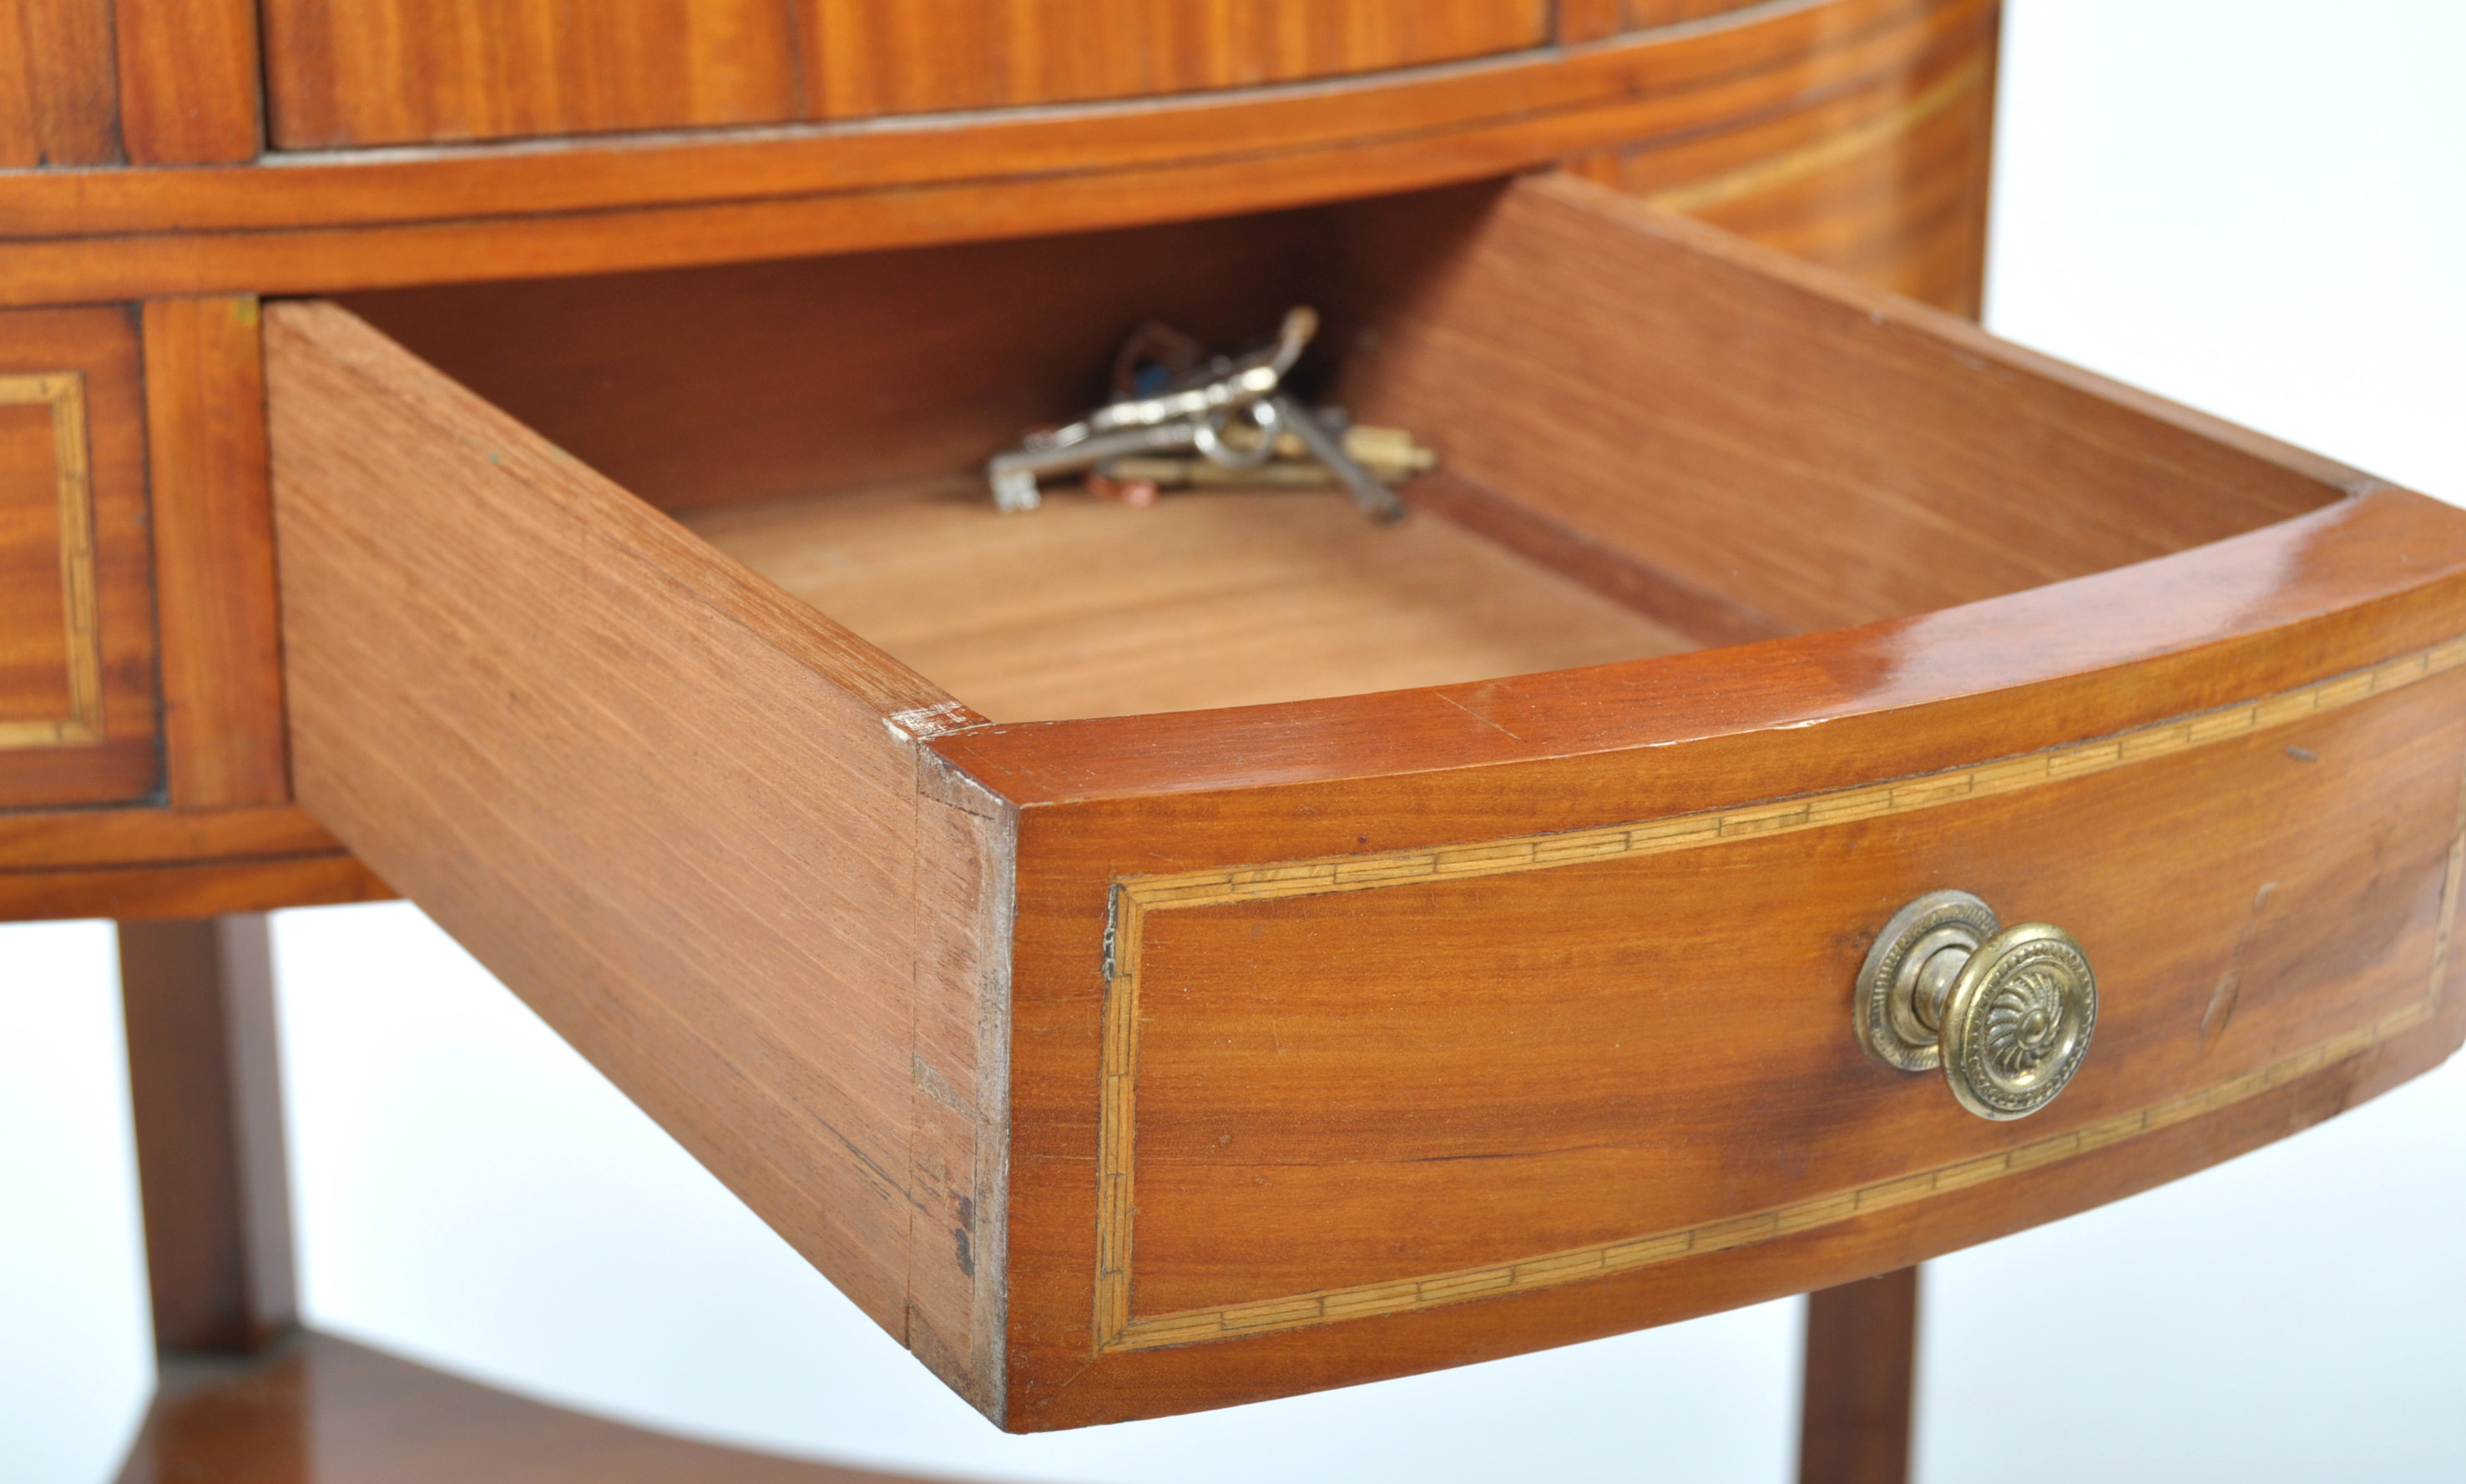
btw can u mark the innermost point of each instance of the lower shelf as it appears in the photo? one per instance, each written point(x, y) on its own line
point(314, 1410)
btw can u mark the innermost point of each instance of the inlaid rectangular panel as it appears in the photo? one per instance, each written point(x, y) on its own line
point(76, 642)
point(51, 652)
point(1519, 1064)
point(881, 57)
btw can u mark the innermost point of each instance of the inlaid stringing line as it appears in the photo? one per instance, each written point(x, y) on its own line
point(1136, 897)
point(1806, 811)
point(64, 393)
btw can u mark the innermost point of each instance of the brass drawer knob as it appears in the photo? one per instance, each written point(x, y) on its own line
point(2006, 1012)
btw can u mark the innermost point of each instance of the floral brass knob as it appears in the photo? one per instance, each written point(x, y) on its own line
point(2007, 1012)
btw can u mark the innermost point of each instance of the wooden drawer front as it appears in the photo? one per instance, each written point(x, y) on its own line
point(381, 72)
point(76, 641)
point(888, 57)
point(376, 72)
point(1372, 1085)
point(1127, 1064)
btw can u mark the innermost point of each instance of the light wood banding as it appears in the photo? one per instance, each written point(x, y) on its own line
point(61, 395)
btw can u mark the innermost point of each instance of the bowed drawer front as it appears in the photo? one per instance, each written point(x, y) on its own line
point(1152, 959)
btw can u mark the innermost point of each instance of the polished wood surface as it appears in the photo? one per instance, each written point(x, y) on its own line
point(939, 357)
point(1837, 470)
point(1703, 616)
point(321, 1410)
point(1885, 180)
point(1591, 20)
point(1089, 607)
point(213, 555)
point(41, 837)
point(76, 623)
point(204, 1085)
point(390, 72)
point(189, 888)
point(683, 815)
point(189, 91)
point(358, 221)
point(52, 660)
point(885, 57)
point(59, 93)
point(1861, 1362)
point(1487, 1082)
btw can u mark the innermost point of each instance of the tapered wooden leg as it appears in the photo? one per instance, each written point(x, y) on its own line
point(199, 999)
point(1861, 1351)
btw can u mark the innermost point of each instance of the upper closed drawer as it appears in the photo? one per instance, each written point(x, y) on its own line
point(383, 71)
point(1288, 951)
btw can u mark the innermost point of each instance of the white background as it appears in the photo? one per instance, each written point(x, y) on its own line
point(2258, 208)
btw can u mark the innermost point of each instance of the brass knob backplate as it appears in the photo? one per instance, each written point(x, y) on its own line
point(2006, 1012)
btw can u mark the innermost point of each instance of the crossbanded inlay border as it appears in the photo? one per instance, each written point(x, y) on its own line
point(64, 392)
point(1133, 898)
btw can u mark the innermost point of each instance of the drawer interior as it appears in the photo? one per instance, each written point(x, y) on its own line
point(1652, 439)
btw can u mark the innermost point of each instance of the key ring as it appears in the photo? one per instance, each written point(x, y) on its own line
point(1206, 435)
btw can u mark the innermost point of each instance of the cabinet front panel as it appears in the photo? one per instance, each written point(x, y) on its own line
point(1351, 1087)
point(76, 641)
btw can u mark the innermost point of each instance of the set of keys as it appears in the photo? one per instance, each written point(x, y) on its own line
point(1231, 411)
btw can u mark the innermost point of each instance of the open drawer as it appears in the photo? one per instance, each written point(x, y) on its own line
point(1292, 951)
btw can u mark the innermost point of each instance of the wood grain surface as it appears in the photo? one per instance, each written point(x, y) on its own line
point(189, 84)
point(1887, 181)
point(214, 555)
point(205, 1088)
point(938, 357)
point(77, 621)
point(1089, 607)
point(1861, 1370)
point(58, 94)
point(390, 72)
point(390, 218)
point(1848, 463)
point(54, 656)
point(890, 57)
point(1620, 577)
point(685, 817)
point(198, 886)
point(1592, 20)
point(1642, 1034)
point(321, 1410)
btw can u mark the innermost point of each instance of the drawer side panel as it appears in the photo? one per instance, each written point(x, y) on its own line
point(685, 818)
